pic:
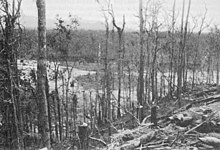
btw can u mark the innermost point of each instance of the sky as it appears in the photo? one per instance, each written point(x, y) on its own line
point(90, 10)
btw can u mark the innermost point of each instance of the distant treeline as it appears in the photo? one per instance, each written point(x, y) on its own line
point(85, 45)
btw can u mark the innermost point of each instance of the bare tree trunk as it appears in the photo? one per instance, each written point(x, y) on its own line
point(181, 52)
point(42, 75)
point(69, 72)
point(140, 87)
point(49, 110)
point(172, 61)
point(217, 68)
point(55, 116)
point(57, 100)
point(97, 86)
point(120, 57)
point(208, 69)
point(129, 85)
point(14, 108)
point(107, 76)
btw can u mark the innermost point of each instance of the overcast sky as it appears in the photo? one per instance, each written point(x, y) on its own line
point(89, 10)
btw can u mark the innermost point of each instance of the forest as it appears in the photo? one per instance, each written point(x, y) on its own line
point(155, 88)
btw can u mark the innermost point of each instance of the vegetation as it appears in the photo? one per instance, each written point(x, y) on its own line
point(66, 88)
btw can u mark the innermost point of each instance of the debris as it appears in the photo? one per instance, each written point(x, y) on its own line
point(201, 123)
point(44, 148)
point(127, 137)
point(215, 142)
point(148, 137)
point(194, 126)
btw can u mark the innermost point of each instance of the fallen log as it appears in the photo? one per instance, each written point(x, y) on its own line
point(206, 92)
point(209, 100)
point(207, 119)
point(215, 142)
point(213, 101)
point(213, 134)
point(206, 100)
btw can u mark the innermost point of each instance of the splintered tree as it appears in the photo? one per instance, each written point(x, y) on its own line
point(42, 76)
point(121, 52)
point(105, 103)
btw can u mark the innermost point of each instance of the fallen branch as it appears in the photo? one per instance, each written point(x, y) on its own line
point(205, 92)
point(98, 140)
point(213, 101)
point(145, 119)
point(156, 143)
point(111, 124)
point(165, 145)
point(141, 148)
point(176, 138)
point(201, 123)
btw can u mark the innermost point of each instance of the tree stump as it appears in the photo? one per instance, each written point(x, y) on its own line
point(154, 115)
point(83, 136)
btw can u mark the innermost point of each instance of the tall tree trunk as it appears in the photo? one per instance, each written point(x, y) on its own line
point(49, 110)
point(107, 77)
point(140, 87)
point(120, 58)
point(181, 52)
point(14, 108)
point(42, 75)
point(57, 100)
point(217, 68)
point(172, 60)
point(55, 116)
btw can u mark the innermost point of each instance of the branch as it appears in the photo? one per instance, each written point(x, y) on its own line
point(98, 140)
point(201, 123)
point(111, 12)
point(17, 14)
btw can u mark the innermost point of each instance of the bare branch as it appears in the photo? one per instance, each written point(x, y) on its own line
point(111, 12)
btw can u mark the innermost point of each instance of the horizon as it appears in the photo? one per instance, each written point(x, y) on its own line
point(90, 15)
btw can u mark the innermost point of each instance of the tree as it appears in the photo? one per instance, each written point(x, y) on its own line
point(10, 31)
point(214, 46)
point(120, 54)
point(197, 43)
point(181, 53)
point(42, 75)
point(140, 86)
point(61, 44)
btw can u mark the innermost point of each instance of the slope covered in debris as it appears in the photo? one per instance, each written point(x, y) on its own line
point(194, 126)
